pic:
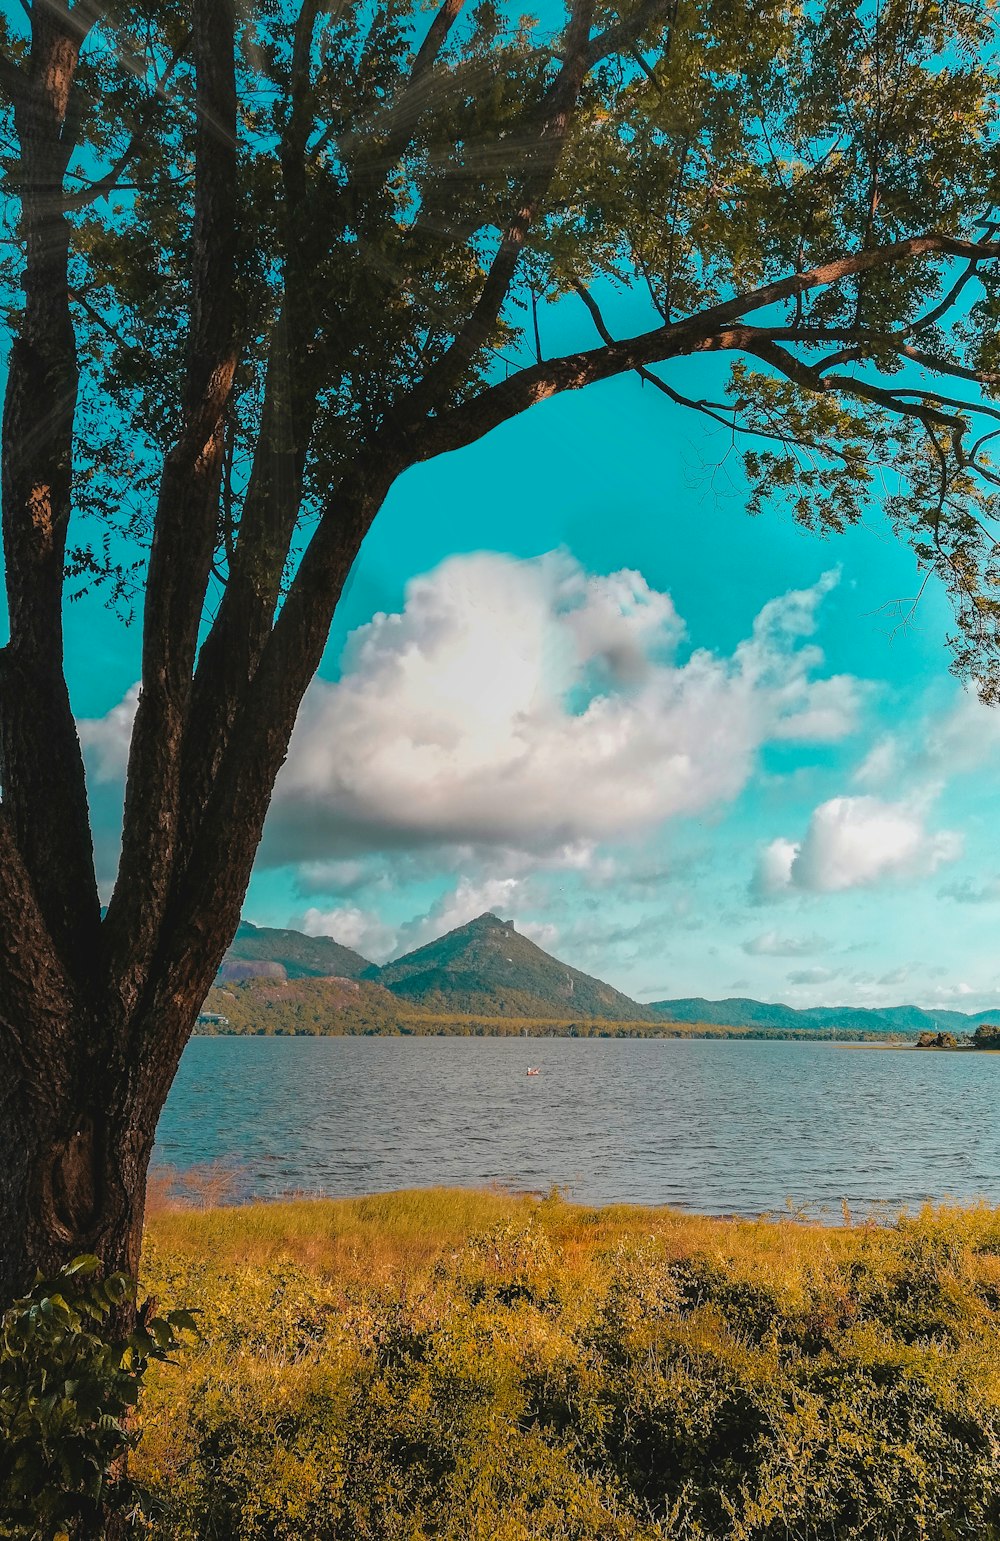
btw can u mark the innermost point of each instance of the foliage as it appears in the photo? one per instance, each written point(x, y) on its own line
point(310, 1006)
point(986, 1036)
point(472, 1365)
point(709, 150)
point(334, 1008)
point(67, 1395)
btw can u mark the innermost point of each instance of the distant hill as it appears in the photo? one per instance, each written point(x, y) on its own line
point(265, 952)
point(486, 968)
point(738, 1011)
point(265, 1005)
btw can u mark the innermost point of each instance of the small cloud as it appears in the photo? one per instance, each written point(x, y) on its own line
point(351, 927)
point(340, 877)
point(467, 900)
point(105, 740)
point(772, 945)
point(880, 765)
point(773, 873)
point(811, 976)
point(542, 933)
point(968, 892)
point(855, 842)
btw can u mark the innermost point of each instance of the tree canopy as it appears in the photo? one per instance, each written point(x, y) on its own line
point(809, 189)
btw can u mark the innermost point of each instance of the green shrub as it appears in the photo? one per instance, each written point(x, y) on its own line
point(565, 1374)
point(66, 1395)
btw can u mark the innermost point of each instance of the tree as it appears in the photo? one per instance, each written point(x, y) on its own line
point(263, 259)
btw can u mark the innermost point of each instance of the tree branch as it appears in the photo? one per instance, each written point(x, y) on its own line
point(622, 34)
point(185, 524)
point(41, 767)
point(543, 156)
point(437, 34)
point(705, 330)
point(12, 79)
point(109, 182)
point(231, 650)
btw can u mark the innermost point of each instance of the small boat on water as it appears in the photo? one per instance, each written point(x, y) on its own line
point(532, 1070)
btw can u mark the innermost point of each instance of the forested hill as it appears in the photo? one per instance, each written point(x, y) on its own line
point(486, 968)
point(738, 1011)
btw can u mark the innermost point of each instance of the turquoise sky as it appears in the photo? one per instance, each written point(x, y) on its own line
point(567, 683)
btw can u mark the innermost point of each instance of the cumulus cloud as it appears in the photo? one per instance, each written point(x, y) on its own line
point(856, 842)
point(530, 705)
point(772, 945)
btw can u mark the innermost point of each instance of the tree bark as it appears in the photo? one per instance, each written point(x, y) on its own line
point(73, 1164)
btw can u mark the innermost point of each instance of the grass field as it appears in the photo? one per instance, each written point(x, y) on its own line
point(455, 1364)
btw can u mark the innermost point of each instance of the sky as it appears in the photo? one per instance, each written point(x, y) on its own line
point(574, 683)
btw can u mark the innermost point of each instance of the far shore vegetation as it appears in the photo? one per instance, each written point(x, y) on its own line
point(986, 1037)
point(337, 1008)
point(480, 1366)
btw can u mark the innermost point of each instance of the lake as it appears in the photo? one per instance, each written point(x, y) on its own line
point(719, 1126)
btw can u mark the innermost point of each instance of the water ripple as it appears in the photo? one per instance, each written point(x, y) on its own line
point(717, 1126)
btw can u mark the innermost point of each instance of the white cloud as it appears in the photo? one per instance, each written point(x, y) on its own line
point(351, 927)
point(529, 705)
point(856, 842)
point(105, 740)
point(467, 900)
point(773, 873)
point(772, 945)
point(963, 738)
point(880, 765)
point(361, 929)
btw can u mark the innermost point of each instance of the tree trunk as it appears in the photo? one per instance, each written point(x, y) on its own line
point(72, 1176)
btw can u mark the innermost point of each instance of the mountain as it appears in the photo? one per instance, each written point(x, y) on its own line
point(741, 1012)
point(486, 968)
point(263, 952)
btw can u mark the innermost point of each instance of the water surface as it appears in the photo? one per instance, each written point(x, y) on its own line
point(719, 1126)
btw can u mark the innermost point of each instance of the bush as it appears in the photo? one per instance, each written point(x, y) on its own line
point(572, 1375)
point(66, 1393)
point(986, 1036)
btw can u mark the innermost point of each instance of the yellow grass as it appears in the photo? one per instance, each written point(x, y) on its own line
point(445, 1364)
point(384, 1237)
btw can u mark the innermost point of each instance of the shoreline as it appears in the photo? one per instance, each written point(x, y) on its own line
point(473, 1027)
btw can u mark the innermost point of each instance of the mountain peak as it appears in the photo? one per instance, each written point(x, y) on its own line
point(487, 921)
point(488, 968)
